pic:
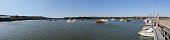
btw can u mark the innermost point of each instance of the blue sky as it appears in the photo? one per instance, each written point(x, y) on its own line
point(62, 8)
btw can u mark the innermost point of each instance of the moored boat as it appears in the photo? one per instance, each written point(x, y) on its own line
point(104, 20)
point(112, 19)
point(100, 22)
point(121, 19)
point(70, 21)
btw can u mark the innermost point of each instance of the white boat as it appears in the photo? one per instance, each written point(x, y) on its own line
point(104, 20)
point(127, 20)
point(150, 30)
point(121, 19)
point(148, 20)
point(112, 19)
point(70, 21)
point(147, 30)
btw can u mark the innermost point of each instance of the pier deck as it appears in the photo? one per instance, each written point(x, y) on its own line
point(163, 32)
point(165, 23)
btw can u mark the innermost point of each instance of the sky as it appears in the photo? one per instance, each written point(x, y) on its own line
point(66, 8)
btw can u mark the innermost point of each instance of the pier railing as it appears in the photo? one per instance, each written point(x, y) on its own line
point(158, 34)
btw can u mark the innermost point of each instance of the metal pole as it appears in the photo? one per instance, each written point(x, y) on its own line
point(157, 20)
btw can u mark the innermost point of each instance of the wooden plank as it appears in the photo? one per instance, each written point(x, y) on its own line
point(165, 23)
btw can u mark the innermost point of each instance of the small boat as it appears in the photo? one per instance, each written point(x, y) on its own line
point(127, 20)
point(52, 20)
point(100, 22)
point(104, 20)
point(49, 20)
point(112, 19)
point(70, 21)
point(55, 20)
point(121, 19)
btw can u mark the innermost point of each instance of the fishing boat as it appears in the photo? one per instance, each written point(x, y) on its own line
point(147, 30)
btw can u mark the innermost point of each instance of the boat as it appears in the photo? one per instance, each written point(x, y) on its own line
point(112, 19)
point(121, 19)
point(150, 30)
point(127, 20)
point(100, 22)
point(52, 20)
point(147, 30)
point(148, 20)
point(70, 21)
point(55, 20)
point(104, 20)
point(49, 20)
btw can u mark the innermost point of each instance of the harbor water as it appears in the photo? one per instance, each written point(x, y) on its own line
point(61, 30)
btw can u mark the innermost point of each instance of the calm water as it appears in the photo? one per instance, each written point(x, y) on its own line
point(61, 30)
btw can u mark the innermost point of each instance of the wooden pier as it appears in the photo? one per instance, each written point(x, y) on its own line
point(162, 32)
point(165, 23)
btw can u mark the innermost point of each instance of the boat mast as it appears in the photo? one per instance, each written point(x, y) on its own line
point(157, 19)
